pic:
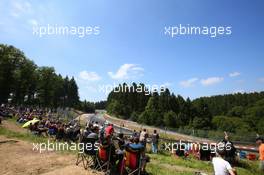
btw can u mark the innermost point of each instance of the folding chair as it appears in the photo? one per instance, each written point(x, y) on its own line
point(87, 154)
point(132, 162)
point(104, 157)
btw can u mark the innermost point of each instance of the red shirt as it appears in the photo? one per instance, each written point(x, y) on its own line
point(109, 130)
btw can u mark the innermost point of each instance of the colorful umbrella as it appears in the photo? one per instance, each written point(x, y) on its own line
point(30, 122)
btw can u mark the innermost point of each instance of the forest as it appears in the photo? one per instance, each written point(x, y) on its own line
point(237, 113)
point(22, 82)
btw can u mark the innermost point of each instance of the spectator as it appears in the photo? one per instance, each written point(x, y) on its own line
point(180, 151)
point(96, 124)
point(221, 166)
point(135, 134)
point(260, 144)
point(136, 145)
point(143, 137)
point(109, 130)
point(155, 142)
point(230, 150)
point(121, 141)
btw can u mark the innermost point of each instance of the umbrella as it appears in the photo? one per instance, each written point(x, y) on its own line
point(30, 122)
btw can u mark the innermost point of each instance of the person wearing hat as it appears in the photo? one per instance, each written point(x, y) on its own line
point(259, 142)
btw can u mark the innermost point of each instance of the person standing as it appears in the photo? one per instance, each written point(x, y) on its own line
point(143, 137)
point(259, 142)
point(221, 166)
point(155, 142)
point(230, 150)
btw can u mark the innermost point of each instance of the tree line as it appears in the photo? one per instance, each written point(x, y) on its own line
point(23, 82)
point(90, 107)
point(238, 113)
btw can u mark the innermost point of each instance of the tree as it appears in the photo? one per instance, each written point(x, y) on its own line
point(233, 124)
point(22, 81)
point(73, 96)
point(203, 118)
point(10, 59)
point(153, 111)
point(236, 111)
point(170, 119)
point(46, 85)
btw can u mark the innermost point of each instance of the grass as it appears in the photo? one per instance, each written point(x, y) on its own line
point(22, 136)
point(164, 164)
point(188, 165)
point(29, 137)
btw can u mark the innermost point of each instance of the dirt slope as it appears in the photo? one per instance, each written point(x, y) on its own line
point(18, 157)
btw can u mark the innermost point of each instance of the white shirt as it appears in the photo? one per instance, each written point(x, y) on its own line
point(221, 166)
point(142, 136)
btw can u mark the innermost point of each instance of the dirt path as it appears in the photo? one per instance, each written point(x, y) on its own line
point(18, 157)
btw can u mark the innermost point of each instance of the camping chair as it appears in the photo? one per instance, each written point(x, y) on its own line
point(132, 162)
point(87, 154)
point(104, 157)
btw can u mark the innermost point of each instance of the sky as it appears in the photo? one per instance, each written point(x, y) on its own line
point(132, 45)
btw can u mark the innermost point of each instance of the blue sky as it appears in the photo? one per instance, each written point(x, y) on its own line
point(132, 45)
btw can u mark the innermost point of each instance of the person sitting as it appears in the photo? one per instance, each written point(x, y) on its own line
point(180, 151)
point(121, 141)
point(109, 130)
point(60, 133)
point(90, 139)
point(52, 129)
point(93, 134)
point(87, 131)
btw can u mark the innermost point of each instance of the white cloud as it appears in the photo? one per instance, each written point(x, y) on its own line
point(188, 83)
point(19, 8)
point(211, 80)
point(239, 91)
point(234, 74)
point(261, 80)
point(90, 76)
point(127, 71)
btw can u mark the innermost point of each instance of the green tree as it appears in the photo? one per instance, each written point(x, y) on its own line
point(237, 111)
point(170, 119)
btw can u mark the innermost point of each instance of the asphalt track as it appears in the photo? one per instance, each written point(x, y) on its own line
point(101, 121)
